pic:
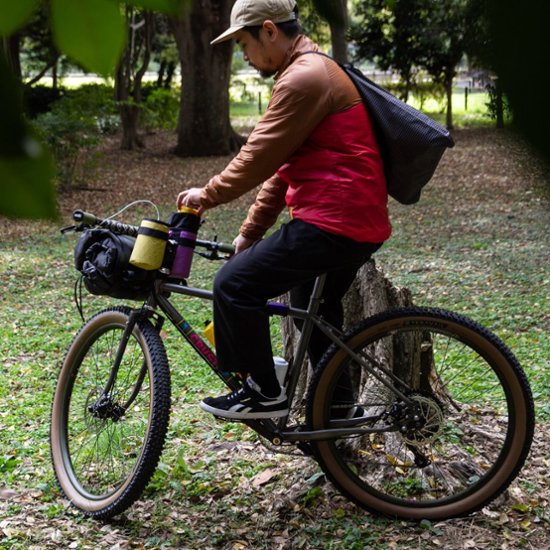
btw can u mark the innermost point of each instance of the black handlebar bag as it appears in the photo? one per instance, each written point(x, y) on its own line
point(103, 259)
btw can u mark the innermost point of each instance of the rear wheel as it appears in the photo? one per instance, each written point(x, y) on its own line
point(450, 439)
point(106, 446)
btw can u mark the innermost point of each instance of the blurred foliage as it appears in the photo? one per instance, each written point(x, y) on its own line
point(90, 32)
point(75, 121)
point(519, 50)
point(160, 107)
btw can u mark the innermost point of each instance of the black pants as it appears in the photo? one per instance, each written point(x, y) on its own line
point(289, 259)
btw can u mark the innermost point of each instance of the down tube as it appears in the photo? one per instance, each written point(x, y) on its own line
point(196, 342)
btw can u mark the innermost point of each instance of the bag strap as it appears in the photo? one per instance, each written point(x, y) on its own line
point(347, 68)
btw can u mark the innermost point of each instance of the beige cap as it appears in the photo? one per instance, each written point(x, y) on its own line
point(249, 13)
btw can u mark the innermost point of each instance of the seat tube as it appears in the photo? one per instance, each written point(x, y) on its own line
point(312, 309)
point(316, 295)
point(305, 335)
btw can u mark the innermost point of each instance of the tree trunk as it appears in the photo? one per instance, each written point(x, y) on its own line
point(9, 48)
point(55, 83)
point(204, 127)
point(339, 43)
point(128, 78)
point(499, 101)
point(338, 27)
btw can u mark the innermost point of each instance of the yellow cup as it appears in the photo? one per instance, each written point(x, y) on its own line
point(150, 246)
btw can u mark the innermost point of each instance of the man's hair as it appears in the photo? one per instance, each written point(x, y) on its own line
point(291, 29)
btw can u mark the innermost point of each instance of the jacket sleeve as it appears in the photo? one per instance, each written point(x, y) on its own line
point(298, 104)
point(264, 212)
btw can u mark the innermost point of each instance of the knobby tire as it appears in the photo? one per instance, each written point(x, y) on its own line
point(103, 454)
point(459, 445)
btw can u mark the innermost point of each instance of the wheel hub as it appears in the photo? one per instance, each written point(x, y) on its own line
point(104, 408)
point(419, 422)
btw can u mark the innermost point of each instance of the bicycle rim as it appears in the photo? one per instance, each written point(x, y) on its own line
point(105, 448)
point(457, 440)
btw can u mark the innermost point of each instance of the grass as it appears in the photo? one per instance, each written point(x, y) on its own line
point(467, 246)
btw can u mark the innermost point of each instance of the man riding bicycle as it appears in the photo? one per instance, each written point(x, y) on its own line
point(314, 152)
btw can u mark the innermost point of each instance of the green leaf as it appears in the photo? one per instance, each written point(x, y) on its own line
point(172, 7)
point(519, 507)
point(26, 168)
point(92, 32)
point(26, 188)
point(14, 14)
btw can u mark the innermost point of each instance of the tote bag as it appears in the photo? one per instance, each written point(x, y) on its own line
point(411, 143)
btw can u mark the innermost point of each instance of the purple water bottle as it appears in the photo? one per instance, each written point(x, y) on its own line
point(184, 227)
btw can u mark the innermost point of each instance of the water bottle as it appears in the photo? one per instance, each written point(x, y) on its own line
point(184, 227)
point(209, 333)
point(150, 245)
point(281, 366)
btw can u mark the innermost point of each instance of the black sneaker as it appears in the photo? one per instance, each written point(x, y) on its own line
point(247, 403)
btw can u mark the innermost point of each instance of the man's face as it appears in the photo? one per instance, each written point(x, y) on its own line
point(258, 53)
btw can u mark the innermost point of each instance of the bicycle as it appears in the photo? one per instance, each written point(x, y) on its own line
point(413, 413)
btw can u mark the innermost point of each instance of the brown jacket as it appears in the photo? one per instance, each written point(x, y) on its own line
point(307, 89)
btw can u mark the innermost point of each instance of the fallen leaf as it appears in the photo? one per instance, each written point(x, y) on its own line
point(7, 494)
point(263, 477)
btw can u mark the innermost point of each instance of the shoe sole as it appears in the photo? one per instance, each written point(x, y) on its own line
point(235, 415)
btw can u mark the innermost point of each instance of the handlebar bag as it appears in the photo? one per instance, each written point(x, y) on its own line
point(102, 257)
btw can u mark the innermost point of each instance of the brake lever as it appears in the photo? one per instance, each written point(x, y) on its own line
point(73, 228)
point(211, 255)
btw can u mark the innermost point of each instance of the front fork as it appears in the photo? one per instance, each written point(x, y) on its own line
point(104, 407)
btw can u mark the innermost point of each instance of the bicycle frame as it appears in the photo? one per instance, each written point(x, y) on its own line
point(277, 432)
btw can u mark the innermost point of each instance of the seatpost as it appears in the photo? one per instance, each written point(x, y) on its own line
point(316, 299)
point(315, 302)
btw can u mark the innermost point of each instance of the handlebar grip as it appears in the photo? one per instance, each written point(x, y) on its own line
point(216, 246)
point(117, 227)
point(85, 217)
point(227, 248)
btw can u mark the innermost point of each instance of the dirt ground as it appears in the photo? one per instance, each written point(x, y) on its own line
point(519, 519)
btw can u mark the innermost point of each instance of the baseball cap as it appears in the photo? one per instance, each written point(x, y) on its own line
point(248, 13)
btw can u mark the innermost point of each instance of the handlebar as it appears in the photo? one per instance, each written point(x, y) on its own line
point(85, 219)
point(215, 246)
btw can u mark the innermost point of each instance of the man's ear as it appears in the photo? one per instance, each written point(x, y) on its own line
point(271, 29)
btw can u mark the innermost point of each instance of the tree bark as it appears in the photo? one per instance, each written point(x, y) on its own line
point(338, 27)
point(499, 100)
point(10, 49)
point(449, 92)
point(204, 127)
point(128, 79)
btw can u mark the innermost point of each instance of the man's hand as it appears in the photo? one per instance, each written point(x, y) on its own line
point(190, 198)
point(242, 243)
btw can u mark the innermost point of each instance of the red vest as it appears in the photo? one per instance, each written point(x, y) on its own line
point(336, 179)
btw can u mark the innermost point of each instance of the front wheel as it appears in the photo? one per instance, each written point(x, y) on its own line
point(106, 438)
point(445, 434)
